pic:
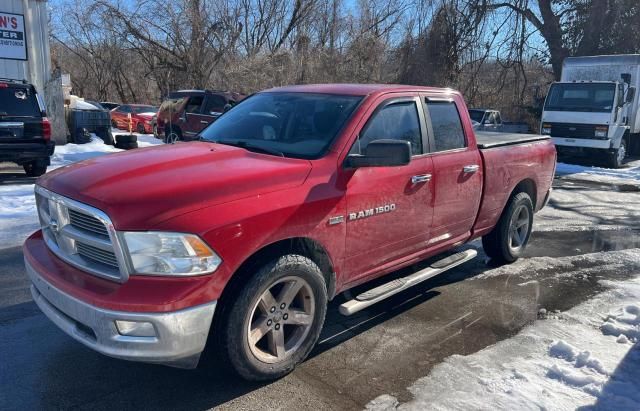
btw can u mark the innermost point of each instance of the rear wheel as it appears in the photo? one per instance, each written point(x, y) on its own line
point(35, 168)
point(275, 320)
point(140, 128)
point(507, 241)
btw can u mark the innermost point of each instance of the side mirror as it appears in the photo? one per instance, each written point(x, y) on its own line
point(382, 153)
point(631, 93)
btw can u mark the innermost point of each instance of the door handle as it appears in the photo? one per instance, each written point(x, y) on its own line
point(422, 178)
point(204, 122)
point(471, 168)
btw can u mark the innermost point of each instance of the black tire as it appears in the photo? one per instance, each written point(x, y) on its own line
point(140, 128)
point(127, 146)
point(81, 136)
point(617, 156)
point(499, 244)
point(172, 135)
point(35, 168)
point(126, 139)
point(105, 135)
point(234, 322)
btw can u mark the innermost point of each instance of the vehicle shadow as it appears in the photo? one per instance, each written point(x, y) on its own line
point(622, 390)
point(14, 177)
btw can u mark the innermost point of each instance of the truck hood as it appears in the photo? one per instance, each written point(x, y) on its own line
point(140, 188)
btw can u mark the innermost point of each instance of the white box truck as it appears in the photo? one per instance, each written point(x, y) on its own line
point(594, 108)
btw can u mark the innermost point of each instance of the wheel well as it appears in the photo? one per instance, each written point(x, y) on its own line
point(297, 245)
point(526, 186)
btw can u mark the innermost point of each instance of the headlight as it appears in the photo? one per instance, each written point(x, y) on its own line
point(546, 129)
point(601, 131)
point(159, 253)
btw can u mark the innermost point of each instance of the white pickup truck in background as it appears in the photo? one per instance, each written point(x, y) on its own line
point(491, 120)
point(593, 109)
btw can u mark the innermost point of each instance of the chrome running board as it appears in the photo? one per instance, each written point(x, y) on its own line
point(393, 287)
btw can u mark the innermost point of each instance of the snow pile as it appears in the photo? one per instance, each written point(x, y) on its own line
point(17, 208)
point(620, 262)
point(627, 175)
point(17, 202)
point(624, 323)
point(586, 357)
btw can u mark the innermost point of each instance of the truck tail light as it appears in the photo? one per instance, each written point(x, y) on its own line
point(545, 129)
point(601, 131)
point(46, 129)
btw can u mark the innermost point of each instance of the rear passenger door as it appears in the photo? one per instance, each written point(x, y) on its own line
point(389, 209)
point(195, 120)
point(457, 168)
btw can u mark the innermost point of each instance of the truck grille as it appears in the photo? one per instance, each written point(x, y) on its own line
point(573, 130)
point(87, 223)
point(81, 235)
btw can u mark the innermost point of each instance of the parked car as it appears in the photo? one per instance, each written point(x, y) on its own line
point(140, 117)
point(109, 105)
point(187, 112)
point(25, 131)
point(491, 120)
point(292, 197)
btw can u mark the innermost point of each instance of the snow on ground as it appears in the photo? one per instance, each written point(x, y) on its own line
point(17, 203)
point(630, 174)
point(579, 207)
point(587, 356)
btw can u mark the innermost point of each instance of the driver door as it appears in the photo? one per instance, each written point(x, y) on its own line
point(389, 209)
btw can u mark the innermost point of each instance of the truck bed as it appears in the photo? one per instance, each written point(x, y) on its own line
point(488, 139)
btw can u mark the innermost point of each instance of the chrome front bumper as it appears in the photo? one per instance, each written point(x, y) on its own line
point(180, 336)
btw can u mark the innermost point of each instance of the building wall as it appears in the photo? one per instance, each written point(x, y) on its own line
point(37, 68)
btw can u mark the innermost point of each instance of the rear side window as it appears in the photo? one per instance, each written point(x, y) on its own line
point(397, 121)
point(194, 104)
point(215, 104)
point(447, 127)
point(18, 101)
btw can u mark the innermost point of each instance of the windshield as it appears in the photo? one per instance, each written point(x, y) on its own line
point(19, 102)
point(592, 97)
point(476, 115)
point(144, 109)
point(300, 125)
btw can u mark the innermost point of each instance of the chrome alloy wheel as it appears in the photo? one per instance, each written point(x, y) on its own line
point(519, 228)
point(281, 319)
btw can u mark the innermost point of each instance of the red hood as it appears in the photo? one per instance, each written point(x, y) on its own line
point(148, 115)
point(140, 188)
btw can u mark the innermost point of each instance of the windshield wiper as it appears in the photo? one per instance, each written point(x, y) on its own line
point(248, 146)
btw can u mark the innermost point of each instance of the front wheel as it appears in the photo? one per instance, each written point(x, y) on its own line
point(508, 239)
point(617, 156)
point(276, 319)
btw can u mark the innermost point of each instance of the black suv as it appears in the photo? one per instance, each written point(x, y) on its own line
point(25, 131)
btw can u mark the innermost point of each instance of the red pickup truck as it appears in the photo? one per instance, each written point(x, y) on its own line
point(239, 240)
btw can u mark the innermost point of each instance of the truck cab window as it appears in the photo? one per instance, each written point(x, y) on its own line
point(447, 127)
point(397, 121)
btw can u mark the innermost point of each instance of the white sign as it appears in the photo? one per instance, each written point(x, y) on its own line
point(13, 44)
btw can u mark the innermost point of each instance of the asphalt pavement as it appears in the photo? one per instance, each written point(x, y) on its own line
point(381, 350)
